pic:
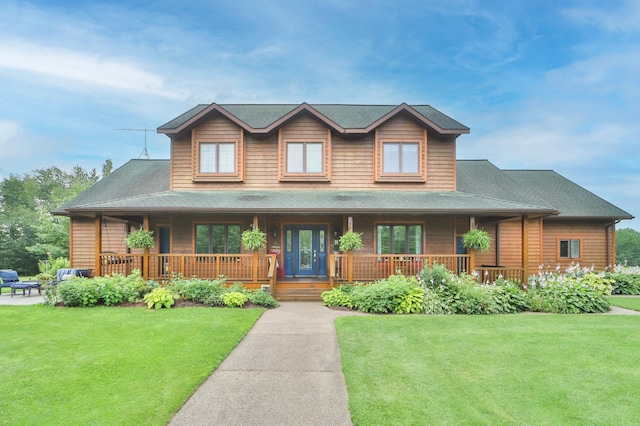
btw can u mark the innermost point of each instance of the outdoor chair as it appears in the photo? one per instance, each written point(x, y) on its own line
point(65, 273)
point(11, 279)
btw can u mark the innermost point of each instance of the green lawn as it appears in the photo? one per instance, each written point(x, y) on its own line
point(498, 370)
point(626, 302)
point(109, 365)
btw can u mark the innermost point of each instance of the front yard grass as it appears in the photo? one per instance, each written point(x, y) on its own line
point(625, 302)
point(109, 365)
point(499, 369)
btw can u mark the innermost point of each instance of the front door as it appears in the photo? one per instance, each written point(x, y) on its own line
point(305, 252)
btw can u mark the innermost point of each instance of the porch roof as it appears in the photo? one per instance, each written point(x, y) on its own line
point(317, 201)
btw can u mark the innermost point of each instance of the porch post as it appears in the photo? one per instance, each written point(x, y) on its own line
point(98, 245)
point(145, 254)
point(350, 266)
point(525, 248)
point(255, 252)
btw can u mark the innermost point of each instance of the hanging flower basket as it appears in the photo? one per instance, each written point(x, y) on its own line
point(477, 239)
point(351, 241)
point(140, 239)
point(254, 239)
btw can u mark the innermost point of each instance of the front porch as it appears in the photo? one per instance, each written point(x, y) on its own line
point(258, 269)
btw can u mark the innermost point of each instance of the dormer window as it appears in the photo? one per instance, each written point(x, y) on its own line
point(400, 158)
point(217, 157)
point(217, 161)
point(304, 157)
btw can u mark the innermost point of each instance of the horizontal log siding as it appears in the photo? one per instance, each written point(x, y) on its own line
point(83, 250)
point(489, 257)
point(181, 165)
point(593, 235)
point(439, 235)
point(441, 164)
point(351, 161)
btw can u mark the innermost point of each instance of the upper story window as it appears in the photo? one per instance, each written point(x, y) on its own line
point(218, 238)
point(569, 249)
point(305, 157)
point(217, 157)
point(304, 160)
point(217, 160)
point(400, 158)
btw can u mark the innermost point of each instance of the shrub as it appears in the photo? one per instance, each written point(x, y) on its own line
point(509, 297)
point(338, 296)
point(116, 289)
point(48, 268)
point(567, 295)
point(198, 290)
point(434, 304)
point(472, 299)
point(626, 280)
point(234, 299)
point(410, 302)
point(79, 291)
point(436, 276)
point(383, 296)
point(160, 297)
point(263, 298)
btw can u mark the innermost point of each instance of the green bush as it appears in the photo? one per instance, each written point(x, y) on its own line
point(263, 298)
point(234, 299)
point(625, 281)
point(568, 293)
point(509, 297)
point(160, 297)
point(436, 276)
point(384, 296)
point(410, 302)
point(198, 290)
point(79, 291)
point(338, 296)
point(471, 298)
point(48, 268)
point(434, 304)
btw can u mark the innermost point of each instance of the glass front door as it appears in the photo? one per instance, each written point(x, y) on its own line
point(305, 252)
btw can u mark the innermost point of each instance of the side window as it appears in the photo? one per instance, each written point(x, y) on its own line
point(217, 161)
point(569, 249)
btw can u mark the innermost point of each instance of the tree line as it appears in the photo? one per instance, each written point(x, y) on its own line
point(28, 231)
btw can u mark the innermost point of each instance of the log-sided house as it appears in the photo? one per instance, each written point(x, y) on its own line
point(305, 174)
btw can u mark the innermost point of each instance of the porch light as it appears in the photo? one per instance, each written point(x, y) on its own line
point(274, 231)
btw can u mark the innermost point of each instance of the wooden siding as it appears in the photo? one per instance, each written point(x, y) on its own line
point(440, 235)
point(83, 250)
point(593, 247)
point(350, 158)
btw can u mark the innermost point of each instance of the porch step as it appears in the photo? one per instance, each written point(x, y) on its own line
point(300, 291)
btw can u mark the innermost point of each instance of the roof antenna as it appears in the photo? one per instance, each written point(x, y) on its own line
point(144, 152)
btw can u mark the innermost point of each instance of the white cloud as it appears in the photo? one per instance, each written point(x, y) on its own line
point(82, 67)
point(623, 19)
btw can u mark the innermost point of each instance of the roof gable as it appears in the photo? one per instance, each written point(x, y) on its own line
point(341, 118)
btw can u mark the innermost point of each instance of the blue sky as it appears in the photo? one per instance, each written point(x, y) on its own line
point(542, 84)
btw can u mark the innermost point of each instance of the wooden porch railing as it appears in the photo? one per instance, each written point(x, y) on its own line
point(260, 269)
point(370, 267)
point(246, 268)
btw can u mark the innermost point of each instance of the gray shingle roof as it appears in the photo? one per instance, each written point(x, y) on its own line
point(143, 185)
point(261, 116)
point(569, 198)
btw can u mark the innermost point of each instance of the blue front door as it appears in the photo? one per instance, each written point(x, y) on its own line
point(305, 252)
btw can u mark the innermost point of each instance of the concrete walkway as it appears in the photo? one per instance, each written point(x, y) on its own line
point(19, 299)
point(286, 371)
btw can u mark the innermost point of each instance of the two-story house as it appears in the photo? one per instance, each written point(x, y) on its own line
point(305, 174)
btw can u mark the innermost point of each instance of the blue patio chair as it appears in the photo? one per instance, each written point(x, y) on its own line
point(11, 279)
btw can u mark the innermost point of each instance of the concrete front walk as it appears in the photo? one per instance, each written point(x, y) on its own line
point(19, 299)
point(286, 371)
